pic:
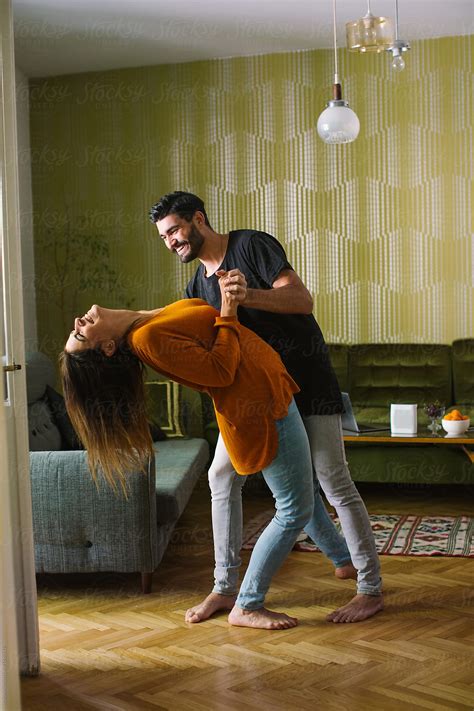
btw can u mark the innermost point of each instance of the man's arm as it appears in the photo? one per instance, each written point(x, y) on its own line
point(288, 294)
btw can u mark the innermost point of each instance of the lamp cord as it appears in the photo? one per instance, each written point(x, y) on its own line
point(336, 78)
point(396, 19)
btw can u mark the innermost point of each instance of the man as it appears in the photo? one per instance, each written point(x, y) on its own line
point(276, 305)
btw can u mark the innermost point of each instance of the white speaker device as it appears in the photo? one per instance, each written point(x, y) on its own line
point(403, 420)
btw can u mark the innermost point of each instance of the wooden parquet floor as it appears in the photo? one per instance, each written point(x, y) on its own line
point(104, 645)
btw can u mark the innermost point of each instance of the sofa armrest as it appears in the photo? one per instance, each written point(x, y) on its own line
point(79, 527)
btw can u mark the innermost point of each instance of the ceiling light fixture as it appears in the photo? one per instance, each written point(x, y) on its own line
point(337, 123)
point(370, 33)
point(398, 47)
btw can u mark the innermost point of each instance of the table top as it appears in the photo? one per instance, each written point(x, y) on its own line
point(422, 437)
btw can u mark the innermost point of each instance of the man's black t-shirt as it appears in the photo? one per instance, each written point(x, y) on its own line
point(296, 337)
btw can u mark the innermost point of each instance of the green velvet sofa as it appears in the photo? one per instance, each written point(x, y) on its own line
point(376, 375)
point(81, 528)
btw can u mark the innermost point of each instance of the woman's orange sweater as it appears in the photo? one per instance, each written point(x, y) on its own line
point(190, 343)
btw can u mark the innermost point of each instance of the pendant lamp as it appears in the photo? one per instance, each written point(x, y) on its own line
point(337, 123)
point(370, 33)
point(398, 47)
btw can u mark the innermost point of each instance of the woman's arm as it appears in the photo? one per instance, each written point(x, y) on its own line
point(229, 300)
point(182, 356)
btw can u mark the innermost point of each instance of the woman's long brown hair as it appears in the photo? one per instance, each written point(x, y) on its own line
point(105, 400)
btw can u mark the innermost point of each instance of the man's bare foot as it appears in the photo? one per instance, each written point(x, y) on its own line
point(346, 572)
point(211, 604)
point(262, 619)
point(361, 607)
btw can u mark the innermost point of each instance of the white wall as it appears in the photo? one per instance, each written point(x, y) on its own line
point(26, 211)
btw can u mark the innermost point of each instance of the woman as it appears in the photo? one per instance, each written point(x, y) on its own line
point(191, 343)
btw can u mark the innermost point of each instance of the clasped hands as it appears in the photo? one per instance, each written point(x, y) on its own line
point(233, 286)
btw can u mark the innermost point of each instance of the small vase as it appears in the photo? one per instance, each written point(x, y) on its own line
point(434, 426)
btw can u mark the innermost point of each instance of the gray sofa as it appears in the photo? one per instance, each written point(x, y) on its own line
point(79, 527)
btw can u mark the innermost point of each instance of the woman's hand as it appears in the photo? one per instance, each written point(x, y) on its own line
point(229, 298)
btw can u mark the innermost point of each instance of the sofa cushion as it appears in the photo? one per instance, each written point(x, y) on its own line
point(58, 410)
point(339, 355)
point(420, 464)
point(42, 430)
point(463, 372)
point(380, 374)
point(372, 415)
point(157, 433)
point(40, 372)
point(178, 466)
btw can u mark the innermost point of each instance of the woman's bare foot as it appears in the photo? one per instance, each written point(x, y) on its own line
point(346, 572)
point(211, 604)
point(261, 619)
point(361, 607)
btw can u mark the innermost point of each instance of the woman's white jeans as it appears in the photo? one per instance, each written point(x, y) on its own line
point(332, 473)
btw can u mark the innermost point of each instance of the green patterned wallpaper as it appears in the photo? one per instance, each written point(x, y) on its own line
point(380, 230)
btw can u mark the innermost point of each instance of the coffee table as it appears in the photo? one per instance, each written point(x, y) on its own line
point(462, 442)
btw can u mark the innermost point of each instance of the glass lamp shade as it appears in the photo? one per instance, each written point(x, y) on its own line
point(338, 123)
point(370, 34)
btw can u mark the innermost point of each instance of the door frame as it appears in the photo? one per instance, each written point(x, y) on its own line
point(15, 408)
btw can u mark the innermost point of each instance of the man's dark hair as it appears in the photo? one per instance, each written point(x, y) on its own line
point(178, 203)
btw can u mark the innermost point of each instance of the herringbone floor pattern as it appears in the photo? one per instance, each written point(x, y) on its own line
point(106, 646)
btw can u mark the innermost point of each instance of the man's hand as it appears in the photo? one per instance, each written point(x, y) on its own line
point(234, 283)
point(229, 300)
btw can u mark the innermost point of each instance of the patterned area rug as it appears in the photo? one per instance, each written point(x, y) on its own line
point(394, 535)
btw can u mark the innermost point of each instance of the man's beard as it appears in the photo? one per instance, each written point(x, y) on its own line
point(195, 242)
